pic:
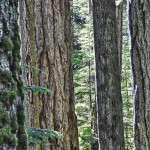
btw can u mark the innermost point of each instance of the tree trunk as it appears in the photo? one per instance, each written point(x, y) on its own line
point(109, 102)
point(119, 18)
point(12, 117)
point(139, 23)
point(94, 145)
point(46, 37)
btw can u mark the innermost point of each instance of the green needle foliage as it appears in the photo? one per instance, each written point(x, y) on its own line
point(41, 136)
point(36, 89)
point(86, 137)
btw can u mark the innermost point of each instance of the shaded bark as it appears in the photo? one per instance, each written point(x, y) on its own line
point(94, 145)
point(90, 6)
point(139, 23)
point(109, 102)
point(119, 19)
point(46, 36)
point(12, 117)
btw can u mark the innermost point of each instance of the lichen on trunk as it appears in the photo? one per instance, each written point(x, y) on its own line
point(12, 117)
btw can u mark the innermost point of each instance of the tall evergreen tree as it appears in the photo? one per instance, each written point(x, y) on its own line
point(12, 117)
point(109, 102)
point(47, 50)
point(139, 23)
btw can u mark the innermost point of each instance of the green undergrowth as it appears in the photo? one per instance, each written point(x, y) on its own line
point(41, 136)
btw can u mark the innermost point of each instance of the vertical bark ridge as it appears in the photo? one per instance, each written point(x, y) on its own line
point(51, 42)
point(139, 22)
point(12, 117)
point(108, 76)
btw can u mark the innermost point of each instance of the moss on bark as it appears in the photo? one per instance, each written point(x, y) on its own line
point(12, 116)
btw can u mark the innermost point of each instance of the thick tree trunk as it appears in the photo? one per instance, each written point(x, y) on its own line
point(119, 14)
point(139, 23)
point(12, 117)
point(109, 102)
point(46, 37)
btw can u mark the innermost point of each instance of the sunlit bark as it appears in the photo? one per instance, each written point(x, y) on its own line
point(46, 37)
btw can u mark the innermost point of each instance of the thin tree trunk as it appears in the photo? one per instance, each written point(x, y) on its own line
point(46, 36)
point(12, 117)
point(90, 6)
point(119, 18)
point(109, 102)
point(139, 24)
point(94, 145)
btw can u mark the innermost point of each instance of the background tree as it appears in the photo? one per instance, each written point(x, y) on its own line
point(108, 76)
point(139, 31)
point(126, 84)
point(83, 71)
point(12, 117)
point(47, 51)
point(83, 54)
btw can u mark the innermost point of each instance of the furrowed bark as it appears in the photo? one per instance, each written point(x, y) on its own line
point(12, 116)
point(47, 46)
point(108, 74)
point(139, 23)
